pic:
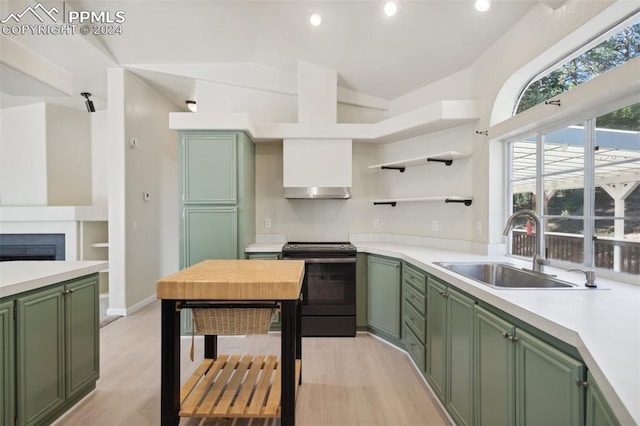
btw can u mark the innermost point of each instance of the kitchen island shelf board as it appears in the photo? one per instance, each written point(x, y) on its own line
point(243, 386)
point(236, 280)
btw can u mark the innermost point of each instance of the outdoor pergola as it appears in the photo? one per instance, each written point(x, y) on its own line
point(617, 168)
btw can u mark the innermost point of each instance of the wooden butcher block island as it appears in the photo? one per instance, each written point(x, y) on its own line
point(232, 385)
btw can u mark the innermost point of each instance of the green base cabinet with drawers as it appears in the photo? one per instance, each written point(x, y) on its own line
point(50, 350)
point(383, 296)
point(217, 186)
point(414, 311)
point(487, 367)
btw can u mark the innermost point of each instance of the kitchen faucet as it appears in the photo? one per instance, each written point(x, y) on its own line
point(538, 258)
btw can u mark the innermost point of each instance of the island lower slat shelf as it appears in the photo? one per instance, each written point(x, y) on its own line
point(235, 386)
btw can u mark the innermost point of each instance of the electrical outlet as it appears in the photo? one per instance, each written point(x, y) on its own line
point(146, 196)
point(267, 223)
point(434, 225)
point(478, 227)
point(376, 223)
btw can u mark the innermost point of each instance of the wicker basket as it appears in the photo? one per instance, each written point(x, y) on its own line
point(232, 321)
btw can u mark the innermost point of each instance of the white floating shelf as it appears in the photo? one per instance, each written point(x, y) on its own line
point(442, 157)
point(100, 245)
point(447, 199)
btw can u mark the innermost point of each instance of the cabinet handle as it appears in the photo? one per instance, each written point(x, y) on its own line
point(582, 383)
point(509, 337)
point(67, 291)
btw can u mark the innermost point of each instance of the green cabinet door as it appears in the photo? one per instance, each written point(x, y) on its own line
point(209, 233)
point(82, 335)
point(209, 168)
point(436, 336)
point(40, 354)
point(494, 370)
point(7, 366)
point(598, 411)
point(546, 388)
point(459, 379)
point(383, 296)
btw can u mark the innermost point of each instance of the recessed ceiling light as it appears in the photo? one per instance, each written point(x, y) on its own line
point(483, 5)
point(315, 19)
point(390, 8)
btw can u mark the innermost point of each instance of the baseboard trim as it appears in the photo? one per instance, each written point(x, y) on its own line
point(132, 309)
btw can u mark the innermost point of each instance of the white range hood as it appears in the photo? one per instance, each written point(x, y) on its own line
point(317, 168)
point(313, 167)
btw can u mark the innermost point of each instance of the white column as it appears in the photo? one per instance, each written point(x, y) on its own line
point(619, 192)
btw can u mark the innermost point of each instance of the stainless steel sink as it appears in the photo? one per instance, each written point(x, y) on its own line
point(504, 275)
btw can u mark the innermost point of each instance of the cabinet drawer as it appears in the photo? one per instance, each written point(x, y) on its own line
point(414, 347)
point(415, 321)
point(414, 277)
point(415, 298)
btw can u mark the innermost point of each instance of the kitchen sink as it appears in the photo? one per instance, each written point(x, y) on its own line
point(505, 276)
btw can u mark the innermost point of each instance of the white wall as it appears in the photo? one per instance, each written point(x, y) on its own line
point(23, 156)
point(45, 156)
point(143, 235)
point(68, 156)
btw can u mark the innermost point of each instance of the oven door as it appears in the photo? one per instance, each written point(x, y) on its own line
point(329, 286)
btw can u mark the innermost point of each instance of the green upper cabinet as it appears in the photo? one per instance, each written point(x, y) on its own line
point(7, 364)
point(383, 295)
point(210, 168)
point(217, 173)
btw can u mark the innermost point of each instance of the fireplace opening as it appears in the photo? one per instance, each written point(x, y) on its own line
point(31, 247)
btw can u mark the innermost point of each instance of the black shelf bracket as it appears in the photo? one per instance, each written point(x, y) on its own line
point(554, 102)
point(439, 160)
point(380, 203)
point(401, 169)
point(466, 202)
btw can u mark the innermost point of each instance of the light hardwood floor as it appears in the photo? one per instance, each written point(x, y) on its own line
point(345, 381)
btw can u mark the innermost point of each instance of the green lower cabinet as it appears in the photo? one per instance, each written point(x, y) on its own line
point(40, 355)
point(436, 336)
point(521, 380)
point(57, 349)
point(546, 384)
point(494, 382)
point(383, 297)
point(598, 411)
point(7, 364)
point(210, 233)
point(450, 349)
point(459, 384)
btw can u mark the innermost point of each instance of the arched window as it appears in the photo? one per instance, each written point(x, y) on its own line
point(615, 50)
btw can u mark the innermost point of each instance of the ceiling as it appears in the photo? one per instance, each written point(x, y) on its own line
point(372, 54)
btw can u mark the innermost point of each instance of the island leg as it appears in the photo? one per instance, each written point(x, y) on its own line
point(170, 364)
point(288, 355)
point(210, 346)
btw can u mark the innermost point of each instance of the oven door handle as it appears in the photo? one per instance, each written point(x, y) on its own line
point(325, 260)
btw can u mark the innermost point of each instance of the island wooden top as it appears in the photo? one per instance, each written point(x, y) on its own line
point(235, 280)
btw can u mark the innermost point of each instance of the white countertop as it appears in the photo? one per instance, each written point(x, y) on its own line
point(20, 276)
point(275, 247)
point(603, 324)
